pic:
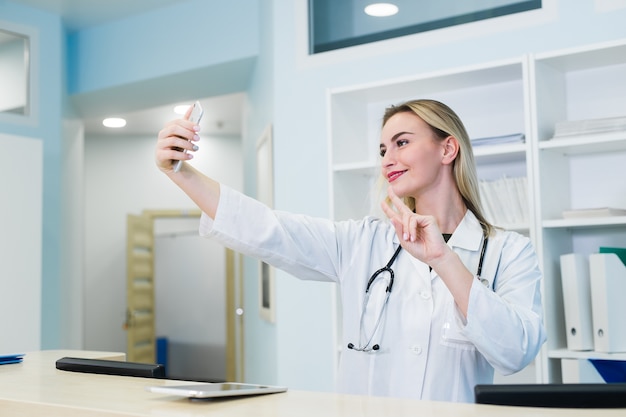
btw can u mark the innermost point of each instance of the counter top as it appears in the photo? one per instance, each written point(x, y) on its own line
point(36, 388)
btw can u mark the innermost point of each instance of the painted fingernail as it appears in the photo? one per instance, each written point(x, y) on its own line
point(195, 147)
point(405, 236)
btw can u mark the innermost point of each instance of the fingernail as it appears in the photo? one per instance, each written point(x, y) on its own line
point(405, 236)
point(195, 138)
point(196, 128)
point(195, 147)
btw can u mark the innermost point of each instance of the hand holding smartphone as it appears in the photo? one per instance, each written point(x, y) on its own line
point(195, 117)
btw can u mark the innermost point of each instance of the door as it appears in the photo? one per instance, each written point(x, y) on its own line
point(140, 337)
point(141, 303)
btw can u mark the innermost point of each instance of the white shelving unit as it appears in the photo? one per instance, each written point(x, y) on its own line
point(528, 95)
point(576, 172)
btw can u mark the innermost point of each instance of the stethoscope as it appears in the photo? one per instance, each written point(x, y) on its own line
point(387, 268)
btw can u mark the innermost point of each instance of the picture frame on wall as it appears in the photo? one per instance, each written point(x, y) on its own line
point(265, 194)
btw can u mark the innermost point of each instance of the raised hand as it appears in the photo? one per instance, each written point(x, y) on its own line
point(419, 234)
point(175, 137)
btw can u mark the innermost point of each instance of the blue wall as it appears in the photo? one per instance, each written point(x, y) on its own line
point(45, 123)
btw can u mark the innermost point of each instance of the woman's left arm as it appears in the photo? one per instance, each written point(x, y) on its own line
point(505, 321)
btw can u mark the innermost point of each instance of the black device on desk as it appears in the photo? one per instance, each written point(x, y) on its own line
point(599, 395)
point(103, 366)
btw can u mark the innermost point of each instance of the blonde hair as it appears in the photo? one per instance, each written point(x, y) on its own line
point(444, 122)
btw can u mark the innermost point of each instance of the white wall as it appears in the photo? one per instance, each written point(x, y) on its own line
point(71, 323)
point(20, 244)
point(121, 178)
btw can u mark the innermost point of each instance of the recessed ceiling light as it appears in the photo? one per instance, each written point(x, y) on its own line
point(114, 122)
point(381, 9)
point(181, 109)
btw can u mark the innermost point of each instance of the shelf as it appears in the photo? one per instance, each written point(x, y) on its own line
point(363, 168)
point(580, 59)
point(590, 354)
point(587, 144)
point(585, 222)
point(440, 81)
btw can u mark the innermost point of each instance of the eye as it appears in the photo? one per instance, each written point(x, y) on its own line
point(382, 152)
point(402, 142)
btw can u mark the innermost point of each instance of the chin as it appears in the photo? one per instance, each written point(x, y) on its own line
point(399, 191)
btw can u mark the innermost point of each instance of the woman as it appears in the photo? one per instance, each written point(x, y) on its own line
point(459, 299)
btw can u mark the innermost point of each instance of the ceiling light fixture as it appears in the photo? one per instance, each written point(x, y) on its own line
point(381, 9)
point(114, 122)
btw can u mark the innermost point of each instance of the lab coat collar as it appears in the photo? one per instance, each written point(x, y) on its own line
point(468, 234)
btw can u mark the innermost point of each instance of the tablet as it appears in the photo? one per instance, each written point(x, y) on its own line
point(216, 390)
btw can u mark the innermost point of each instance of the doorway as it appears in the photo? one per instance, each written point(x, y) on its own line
point(197, 299)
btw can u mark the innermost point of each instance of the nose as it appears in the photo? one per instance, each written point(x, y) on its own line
point(387, 159)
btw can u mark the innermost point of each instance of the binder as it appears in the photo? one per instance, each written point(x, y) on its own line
point(608, 292)
point(576, 286)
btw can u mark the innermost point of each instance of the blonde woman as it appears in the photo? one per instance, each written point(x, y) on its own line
point(434, 298)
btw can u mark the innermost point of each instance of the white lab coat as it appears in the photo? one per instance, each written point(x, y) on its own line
point(427, 349)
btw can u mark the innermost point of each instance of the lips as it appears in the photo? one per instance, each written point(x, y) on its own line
point(394, 175)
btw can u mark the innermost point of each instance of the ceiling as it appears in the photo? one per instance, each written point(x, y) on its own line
point(222, 115)
point(79, 14)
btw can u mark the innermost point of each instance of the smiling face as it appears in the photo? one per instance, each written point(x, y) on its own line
point(413, 157)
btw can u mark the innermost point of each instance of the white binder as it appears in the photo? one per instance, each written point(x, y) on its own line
point(576, 286)
point(608, 301)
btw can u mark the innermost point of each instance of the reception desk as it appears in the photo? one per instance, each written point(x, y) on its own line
point(36, 388)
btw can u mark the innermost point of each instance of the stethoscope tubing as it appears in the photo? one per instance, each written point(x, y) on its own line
point(387, 268)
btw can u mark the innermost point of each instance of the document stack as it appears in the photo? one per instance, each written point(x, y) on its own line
point(499, 140)
point(505, 201)
point(594, 212)
point(589, 126)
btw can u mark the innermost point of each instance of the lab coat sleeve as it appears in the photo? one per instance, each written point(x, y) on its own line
point(305, 247)
point(506, 323)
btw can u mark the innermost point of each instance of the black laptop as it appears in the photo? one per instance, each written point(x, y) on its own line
point(612, 395)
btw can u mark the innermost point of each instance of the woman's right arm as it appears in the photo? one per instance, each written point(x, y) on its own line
point(177, 136)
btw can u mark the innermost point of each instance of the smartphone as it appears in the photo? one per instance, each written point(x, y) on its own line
point(195, 116)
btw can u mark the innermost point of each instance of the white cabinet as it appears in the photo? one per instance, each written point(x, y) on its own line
point(576, 172)
point(525, 95)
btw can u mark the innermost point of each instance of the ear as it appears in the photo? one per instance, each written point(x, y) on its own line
point(450, 146)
